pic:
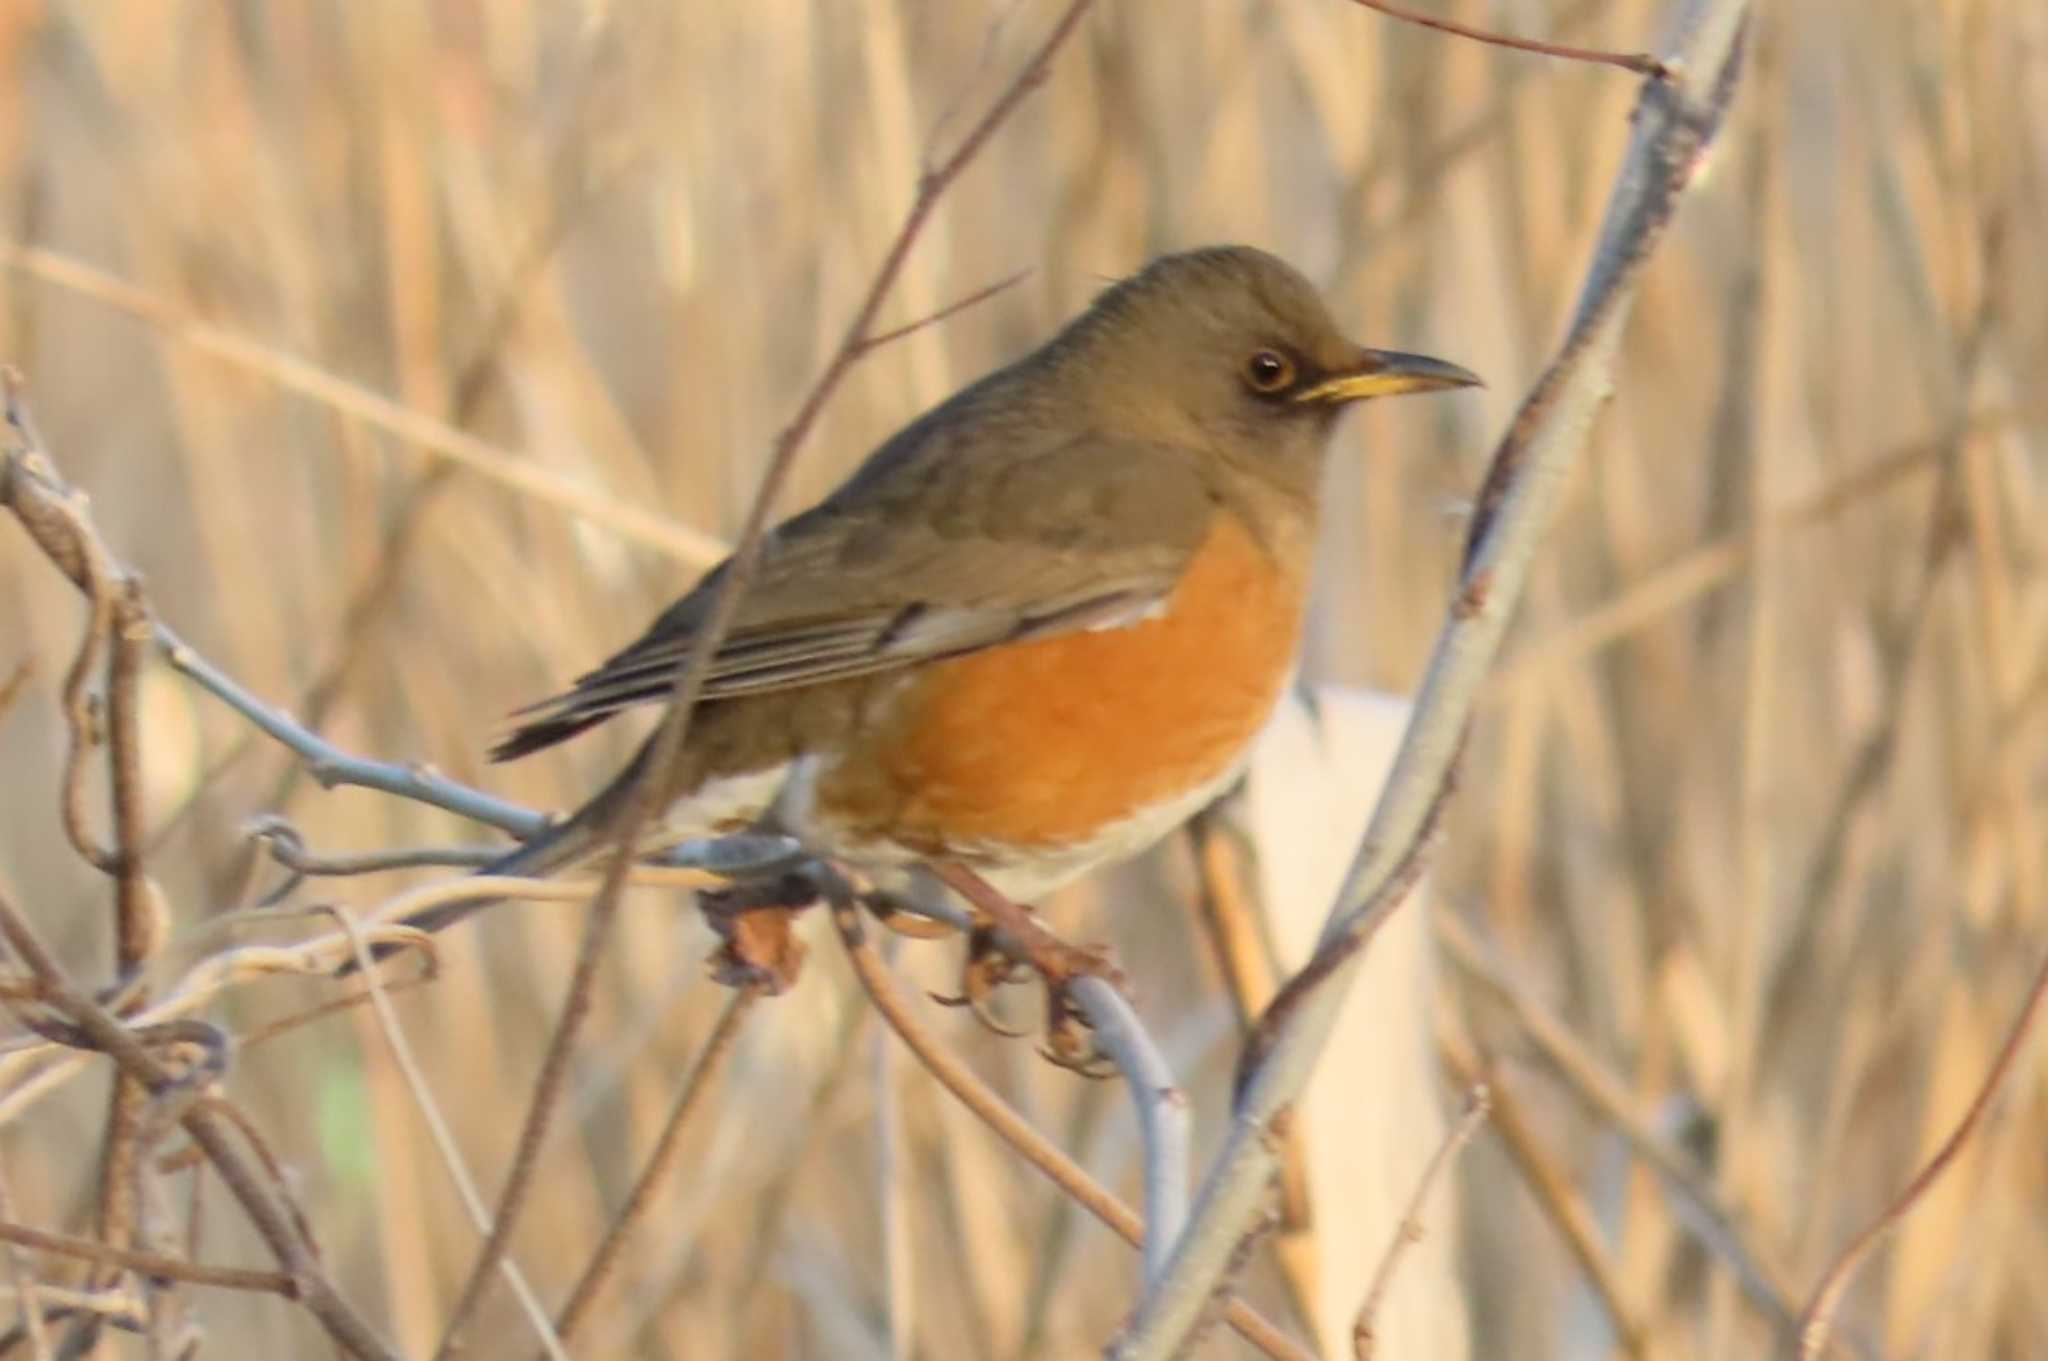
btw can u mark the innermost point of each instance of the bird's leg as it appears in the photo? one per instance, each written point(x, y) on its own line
point(1068, 1043)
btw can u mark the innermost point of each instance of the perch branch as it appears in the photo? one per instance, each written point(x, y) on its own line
point(1161, 1106)
point(956, 1077)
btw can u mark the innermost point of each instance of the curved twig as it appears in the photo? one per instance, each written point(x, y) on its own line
point(956, 1077)
point(1817, 1321)
point(272, 1216)
point(1161, 1105)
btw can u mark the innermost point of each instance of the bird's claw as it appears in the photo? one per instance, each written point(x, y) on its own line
point(1069, 1039)
point(986, 968)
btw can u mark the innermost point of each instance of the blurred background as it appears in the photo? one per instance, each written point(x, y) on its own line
point(1754, 806)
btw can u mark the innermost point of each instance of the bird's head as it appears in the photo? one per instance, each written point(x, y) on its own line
point(1230, 351)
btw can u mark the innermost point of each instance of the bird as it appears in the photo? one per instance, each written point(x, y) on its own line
point(1036, 629)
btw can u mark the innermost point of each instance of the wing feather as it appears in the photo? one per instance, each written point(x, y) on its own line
point(855, 588)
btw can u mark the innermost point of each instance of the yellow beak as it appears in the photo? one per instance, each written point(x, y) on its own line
point(1389, 373)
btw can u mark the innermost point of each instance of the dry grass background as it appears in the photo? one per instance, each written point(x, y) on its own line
point(1756, 806)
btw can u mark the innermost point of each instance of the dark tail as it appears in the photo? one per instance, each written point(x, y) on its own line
point(552, 849)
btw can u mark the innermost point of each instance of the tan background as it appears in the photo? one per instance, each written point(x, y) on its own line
point(1765, 827)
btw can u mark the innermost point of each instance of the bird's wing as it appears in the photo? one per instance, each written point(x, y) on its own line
point(934, 557)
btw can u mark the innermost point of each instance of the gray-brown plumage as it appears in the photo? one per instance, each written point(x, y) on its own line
point(1068, 496)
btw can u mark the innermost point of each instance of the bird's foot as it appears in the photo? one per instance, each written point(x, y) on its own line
point(1069, 1038)
point(1010, 940)
point(986, 967)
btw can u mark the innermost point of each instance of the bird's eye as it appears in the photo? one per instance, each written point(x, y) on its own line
point(1269, 372)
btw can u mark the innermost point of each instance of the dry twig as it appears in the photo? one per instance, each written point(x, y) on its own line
point(661, 1161)
point(1817, 1321)
point(1478, 1100)
point(275, 1218)
point(54, 518)
point(1642, 63)
point(956, 1077)
point(654, 792)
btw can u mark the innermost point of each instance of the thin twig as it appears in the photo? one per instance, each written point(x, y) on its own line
point(1642, 63)
point(332, 766)
point(438, 1129)
point(138, 930)
point(956, 1077)
point(24, 1282)
point(1161, 1105)
point(16, 682)
point(284, 1025)
point(1236, 927)
point(1816, 1322)
point(54, 516)
point(286, 845)
point(1407, 1233)
point(668, 1147)
point(951, 309)
point(1562, 1202)
point(1674, 125)
point(149, 1263)
point(273, 1217)
point(654, 792)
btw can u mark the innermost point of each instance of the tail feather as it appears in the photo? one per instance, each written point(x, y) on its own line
point(552, 849)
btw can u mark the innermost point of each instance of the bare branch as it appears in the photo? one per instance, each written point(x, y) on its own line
point(1674, 126)
point(951, 309)
point(438, 1128)
point(1563, 1204)
point(655, 791)
point(1162, 1111)
point(1642, 63)
point(32, 1326)
point(149, 1263)
point(139, 925)
point(1709, 1221)
point(273, 1217)
point(1817, 1321)
point(1478, 1101)
point(11, 688)
point(332, 766)
point(956, 1077)
point(668, 1146)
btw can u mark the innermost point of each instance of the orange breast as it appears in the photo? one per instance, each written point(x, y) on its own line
point(1044, 744)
